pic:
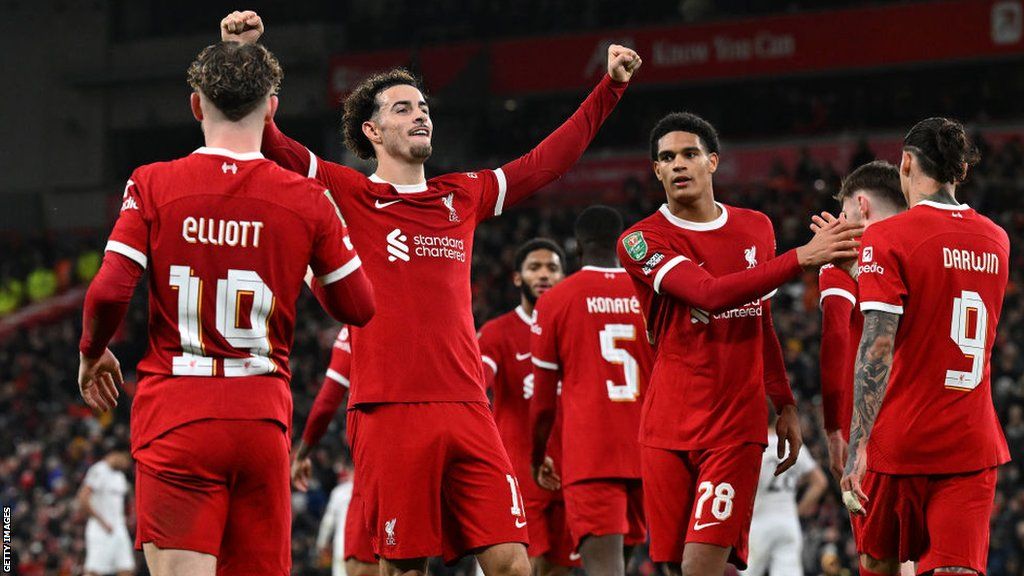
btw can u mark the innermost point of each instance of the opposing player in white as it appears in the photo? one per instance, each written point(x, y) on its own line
point(333, 522)
point(775, 536)
point(108, 546)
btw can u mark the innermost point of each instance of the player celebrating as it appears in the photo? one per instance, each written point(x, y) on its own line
point(108, 546)
point(776, 540)
point(227, 237)
point(589, 331)
point(925, 441)
point(411, 396)
point(701, 270)
point(870, 194)
point(353, 552)
point(505, 351)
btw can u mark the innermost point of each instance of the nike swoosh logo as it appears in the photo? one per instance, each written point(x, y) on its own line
point(698, 526)
point(380, 204)
point(520, 524)
point(523, 356)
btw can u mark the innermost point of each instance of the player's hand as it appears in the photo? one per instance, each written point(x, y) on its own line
point(546, 476)
point(245, 27)
point(788, 429)
point(838, 452)
point(622, 63)
point(834, 241)
point(98, 380)
point(854, 497)
point(302, 471)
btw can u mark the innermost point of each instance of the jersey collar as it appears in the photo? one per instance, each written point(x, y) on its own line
point(524, 316)
point(941, 206)
point(241, 156)
point(695, 226)
point(401, 188)
point(600, 269)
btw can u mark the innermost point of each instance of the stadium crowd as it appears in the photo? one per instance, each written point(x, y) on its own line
point(48, 438)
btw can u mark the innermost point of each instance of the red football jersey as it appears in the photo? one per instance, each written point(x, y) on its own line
point(505, 350)
point(416, 242)
point(590, 328)
point(227, 239)
point(708, 385)
point(341, 358)
point(944, 269)
point(841, 326)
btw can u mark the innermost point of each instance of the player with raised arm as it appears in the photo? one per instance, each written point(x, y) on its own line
point(355, 557)
point(776, 540)
point(417, 377)
point(870, 194)
point(108, 546)
point(590, 333)
point(505, 352)
point(925, 441)
point(703, 271)
point(227, 237)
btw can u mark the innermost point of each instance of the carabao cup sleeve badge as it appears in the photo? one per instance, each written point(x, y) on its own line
point(635, 245)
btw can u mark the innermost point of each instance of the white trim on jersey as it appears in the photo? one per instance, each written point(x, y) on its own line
point(311, 173)
point(837, 292)
point(242, 156)
point(126, 251)
point(600, 269)
point(941, 206)
point(664, 270)
point(348, 268)
point(695, 226)
point(401, 188)
point(499, 205)
point(490, 362)
point(524, 316)
point(545, 365)
point(881, 307)
point(337, 377)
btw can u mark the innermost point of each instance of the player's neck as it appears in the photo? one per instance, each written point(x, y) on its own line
point(945, 194)
point(526, 305)
point(242, 136)
point(701, 209)
point(400, 171)
point(599, 260)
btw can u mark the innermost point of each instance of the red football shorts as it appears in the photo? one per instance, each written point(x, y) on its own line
point(219, 487)
point(435, 479)
point(704, 496)
point(606, 506)
point(937, 521)
point(357, 537)
point(549, 532)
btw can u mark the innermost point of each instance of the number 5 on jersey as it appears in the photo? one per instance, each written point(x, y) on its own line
point(610, 337)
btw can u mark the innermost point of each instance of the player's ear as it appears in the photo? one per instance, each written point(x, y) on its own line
point(517, 279)
point(713, 162)
point(863, 205)
point(195, 103)
point(905, 163)
point(271, 109)
point(371, 132)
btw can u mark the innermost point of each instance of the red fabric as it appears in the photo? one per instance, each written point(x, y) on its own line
point(451, 487)
point(708, 387)
point(590, 329)
point(704, 496)
point(936, 521)
point(604, 507)
point(227, 239)
point(689, 283)
point(218, 487)
point(549, 532)
point(937, 416)
point(357, 537)
point(841, 327)
point(106, 302)
point(332, 391)
point(417, 243)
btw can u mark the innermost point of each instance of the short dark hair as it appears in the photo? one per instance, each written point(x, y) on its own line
point(235, 77)
point(685, 122)
point(599, 226)
point(879, 179)
point(943, 149)
point(361, 105)
point(533, 245)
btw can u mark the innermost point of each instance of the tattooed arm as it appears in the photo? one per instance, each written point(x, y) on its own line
point(870, 379)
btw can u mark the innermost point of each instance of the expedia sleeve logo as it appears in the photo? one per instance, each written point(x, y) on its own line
point(635, 245)
point(868, 264)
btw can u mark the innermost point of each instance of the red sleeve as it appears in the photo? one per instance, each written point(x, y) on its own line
point(880, 282)
point(546, 374)
point(776, 382)
point(555, 155)
point(651, 261)
point(837, 303)
point(328, 400)
point(288, 153)
point(106, 302)
point(490, 353)
point(341, 285)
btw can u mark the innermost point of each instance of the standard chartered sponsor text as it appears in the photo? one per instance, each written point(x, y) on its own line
point(439, 247)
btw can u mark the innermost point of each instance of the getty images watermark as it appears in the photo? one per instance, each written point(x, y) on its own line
point(7, 540)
